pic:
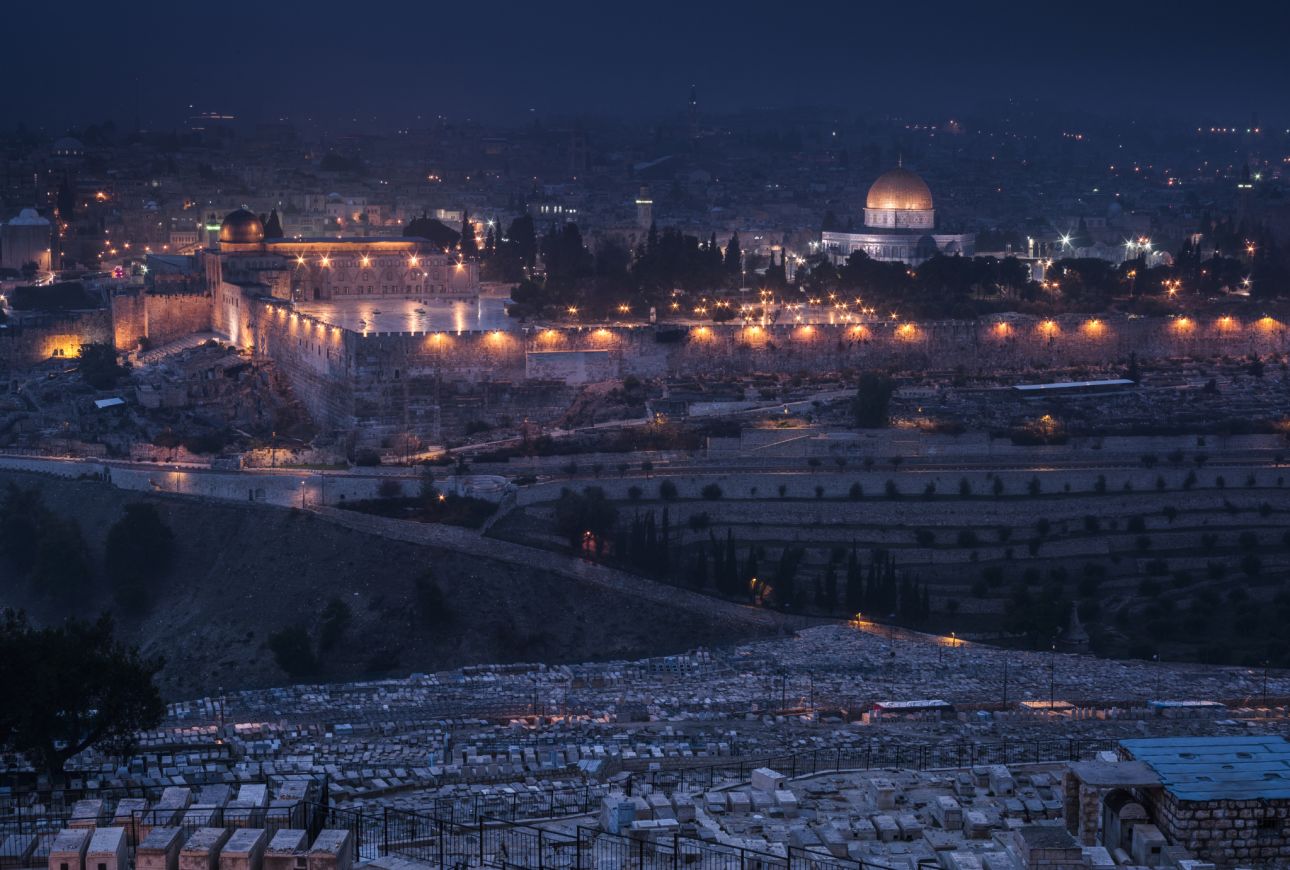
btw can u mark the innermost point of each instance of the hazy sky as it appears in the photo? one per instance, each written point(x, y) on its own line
point(497, 59)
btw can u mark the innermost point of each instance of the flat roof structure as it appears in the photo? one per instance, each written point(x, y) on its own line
point(1058, 387)
point(911, 706)
point(404, 314)
point(1217, 768)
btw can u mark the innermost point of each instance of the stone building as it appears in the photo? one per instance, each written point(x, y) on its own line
point(26, 238)
point(899, 225)
point(1223, 799)
point(302, 270)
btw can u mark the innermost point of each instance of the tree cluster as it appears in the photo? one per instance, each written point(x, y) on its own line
point(70, 687)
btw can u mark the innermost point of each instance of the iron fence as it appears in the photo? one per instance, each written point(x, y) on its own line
point(488, 831)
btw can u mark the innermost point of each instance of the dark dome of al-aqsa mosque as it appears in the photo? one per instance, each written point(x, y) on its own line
point(241, 227)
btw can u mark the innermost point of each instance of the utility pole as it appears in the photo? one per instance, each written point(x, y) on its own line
point(1052, 678)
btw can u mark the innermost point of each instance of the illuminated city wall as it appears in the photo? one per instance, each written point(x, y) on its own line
point(53, 337)
point(316, 357)
point(160, 317)
point(434, 383)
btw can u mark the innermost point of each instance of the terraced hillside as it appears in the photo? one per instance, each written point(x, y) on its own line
point(1185, 561)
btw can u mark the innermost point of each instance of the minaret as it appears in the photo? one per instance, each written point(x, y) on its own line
point(644, 210)
point(1243, 189)
point(694, 112)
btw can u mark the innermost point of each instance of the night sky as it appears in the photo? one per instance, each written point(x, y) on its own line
point(386, 63)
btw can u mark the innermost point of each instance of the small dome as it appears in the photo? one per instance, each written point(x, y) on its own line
point(68, 147)
point(900, 189)
point(241, 227)
point(28, 217)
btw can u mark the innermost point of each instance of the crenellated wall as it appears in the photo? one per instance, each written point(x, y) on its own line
point(316, 357)
point(431, 382)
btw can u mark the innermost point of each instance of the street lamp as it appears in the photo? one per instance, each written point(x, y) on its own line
point(1052, 679)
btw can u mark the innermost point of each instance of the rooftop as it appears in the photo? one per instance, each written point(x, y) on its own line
point(1218, 768)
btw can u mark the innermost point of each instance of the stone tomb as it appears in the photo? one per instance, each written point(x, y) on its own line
point(17, 851)
point(287, 850)
point(201, 852)
point(107, 850)
point(332, 850)
point(68, 849)
point(244, 850)
point(159, 850)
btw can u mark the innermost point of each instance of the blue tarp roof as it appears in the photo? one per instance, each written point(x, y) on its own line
point(1218, 768)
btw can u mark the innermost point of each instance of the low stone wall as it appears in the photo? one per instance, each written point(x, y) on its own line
point(1227, 832)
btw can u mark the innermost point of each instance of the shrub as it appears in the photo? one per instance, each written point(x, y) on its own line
point(700, 521)
point(431, 607)
point(891, 489)
point(140, 548)
point(367, 457)
point(711, 491)
point(856, 492)
point(667, 490)
point(389, 488)
point(293, 651)
point(635, 492)
point(336, 617)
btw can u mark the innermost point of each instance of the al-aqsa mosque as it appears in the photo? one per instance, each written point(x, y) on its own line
point(899, 224)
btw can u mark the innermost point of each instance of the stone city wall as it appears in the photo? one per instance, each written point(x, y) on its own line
point(160, 317)
point(316, 357)
point(37, 339)
point(405, 381)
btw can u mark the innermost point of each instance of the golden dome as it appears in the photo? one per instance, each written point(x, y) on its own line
point(899, 189)
point(241, 227)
